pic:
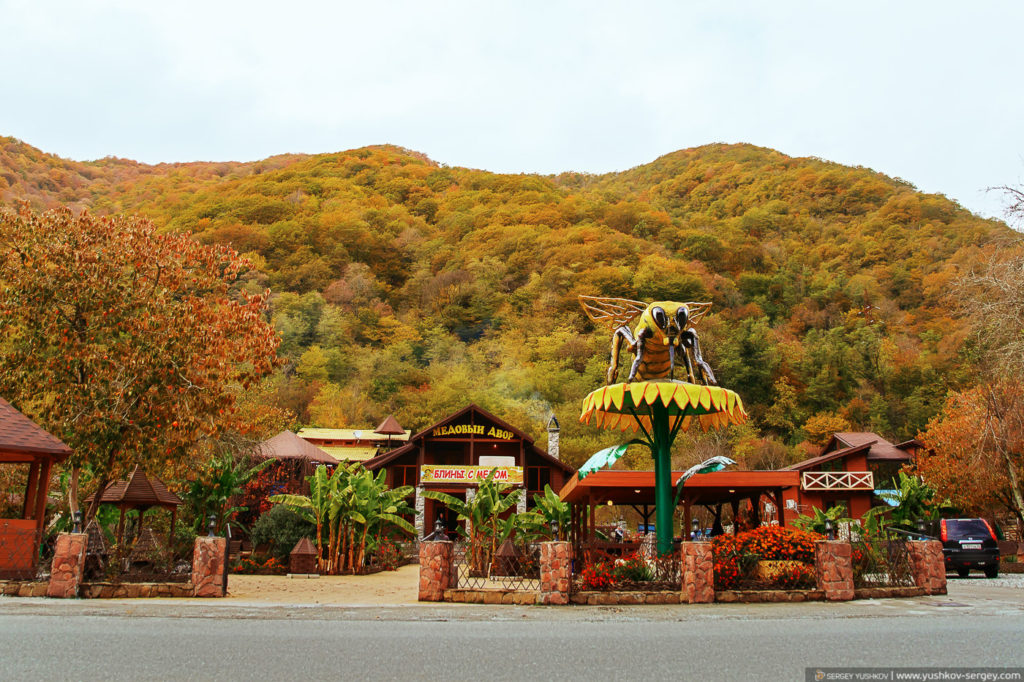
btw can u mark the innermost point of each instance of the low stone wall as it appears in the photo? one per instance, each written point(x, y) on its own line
point(698, 568)
point(767, 596)
point(613, 598)
point(555, 572)
point(23, 588)
point(888, 592)
point(521, 597)
point(135, 590)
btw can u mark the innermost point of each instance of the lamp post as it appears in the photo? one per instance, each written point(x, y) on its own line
point(554, 530)
point(77, 516)
point(211, 525)
point(830, 531)
point(694, 528)
point(439, 534)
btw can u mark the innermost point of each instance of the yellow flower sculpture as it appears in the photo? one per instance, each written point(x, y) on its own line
point(620, 406)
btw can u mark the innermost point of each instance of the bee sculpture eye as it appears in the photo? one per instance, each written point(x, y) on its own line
point(660, 318)
point(681, 316)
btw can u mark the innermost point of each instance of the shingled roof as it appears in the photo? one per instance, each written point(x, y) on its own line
point(138, 491)
point(286, 445)
point(390, 427)
point(20, 435)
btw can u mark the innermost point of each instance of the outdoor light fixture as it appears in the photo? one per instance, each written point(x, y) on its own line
point(830, 531)
point(439, 534)
point(554, 528)
point(609, 503)
point(211, 526)
point(694, 526)
point(636, 490)
point(920, 526)
point(78, 522)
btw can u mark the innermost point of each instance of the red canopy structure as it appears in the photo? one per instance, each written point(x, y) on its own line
point(390, 427)
point(286, 445)
point(140, 492)
point(23, 442)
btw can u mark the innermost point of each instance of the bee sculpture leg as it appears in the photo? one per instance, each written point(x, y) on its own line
point(638, 346)
point(690, 340)
point(617, 336)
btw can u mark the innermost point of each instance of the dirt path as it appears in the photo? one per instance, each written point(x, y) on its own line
point(388, 587)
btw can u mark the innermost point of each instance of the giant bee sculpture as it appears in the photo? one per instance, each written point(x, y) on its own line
point(663, 334)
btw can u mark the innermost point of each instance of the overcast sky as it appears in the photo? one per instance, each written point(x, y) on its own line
point(926, 91)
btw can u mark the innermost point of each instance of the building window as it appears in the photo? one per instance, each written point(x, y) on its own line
point(405, 474)
point(536, 479)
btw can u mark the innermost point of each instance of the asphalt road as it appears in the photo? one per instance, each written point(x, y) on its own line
point(975, 625)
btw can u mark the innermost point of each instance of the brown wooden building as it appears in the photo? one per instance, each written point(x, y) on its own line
point(452, 455)
point(23, 443)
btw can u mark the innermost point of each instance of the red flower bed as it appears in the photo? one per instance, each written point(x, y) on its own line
point(258, 566)
point(734, 556)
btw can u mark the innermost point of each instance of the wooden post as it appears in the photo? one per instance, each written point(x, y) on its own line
point(120, 526)
point(30, 490)
point(593, 520)
point(686, 520)
point(735, 504)
point(44, 483)
point(780, 504)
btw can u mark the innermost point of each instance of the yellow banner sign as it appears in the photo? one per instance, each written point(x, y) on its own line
point(473, 430)
point(438, 473)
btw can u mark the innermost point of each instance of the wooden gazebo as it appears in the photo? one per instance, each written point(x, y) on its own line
point(140, 492)
point(304, 456)
point(23, 442)
point(390, 427)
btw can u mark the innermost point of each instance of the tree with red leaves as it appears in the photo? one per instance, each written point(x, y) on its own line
point(131, 346)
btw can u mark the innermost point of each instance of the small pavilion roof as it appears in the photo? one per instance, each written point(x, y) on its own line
point(139, 490)
point(287, 445)
point(390, 427)
point(637, 487)
point(19, 435)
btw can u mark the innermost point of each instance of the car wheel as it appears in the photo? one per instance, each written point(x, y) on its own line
point(991, 571)
point(963, 571)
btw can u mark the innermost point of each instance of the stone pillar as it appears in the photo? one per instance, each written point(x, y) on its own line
point(208, 561)
point(470, 496)
point(68, 563)
point(929, 566)
point(698, 569)
point(555, 572)
point(833, 565)
point(421, 510)
point(435, 569)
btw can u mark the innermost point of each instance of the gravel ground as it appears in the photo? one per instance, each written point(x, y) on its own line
point(976, 578)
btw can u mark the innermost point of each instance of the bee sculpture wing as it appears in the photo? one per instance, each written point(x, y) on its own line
point(697, 311)
point(612, 312)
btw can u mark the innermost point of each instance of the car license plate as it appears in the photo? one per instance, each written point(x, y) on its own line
point(971, 545)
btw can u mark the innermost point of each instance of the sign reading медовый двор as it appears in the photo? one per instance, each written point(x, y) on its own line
point(449, 473)
point(473, 430)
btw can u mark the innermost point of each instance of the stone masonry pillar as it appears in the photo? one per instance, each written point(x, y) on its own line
point(698, 569)
point(68, 563)
point(929, 566)
point(208, 562)
point(421, 510)
point(435, 569)
point(833, 565)
point(555, 572)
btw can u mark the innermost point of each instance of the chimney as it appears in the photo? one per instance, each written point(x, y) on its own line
point(553, 437)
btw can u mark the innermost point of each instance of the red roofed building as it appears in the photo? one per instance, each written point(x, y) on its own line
point(22, 442)
point(851, 469)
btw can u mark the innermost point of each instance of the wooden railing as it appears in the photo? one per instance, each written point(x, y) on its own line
point(837, 480)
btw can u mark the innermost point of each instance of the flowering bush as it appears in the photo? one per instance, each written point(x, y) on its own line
point(387, 555)
point(251, 565)
point(797, 576)
point(776, 543)
point(599, 576)
point(633, 568)
point(734, 556)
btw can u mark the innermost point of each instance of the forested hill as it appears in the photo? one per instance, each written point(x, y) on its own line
point(405, 286)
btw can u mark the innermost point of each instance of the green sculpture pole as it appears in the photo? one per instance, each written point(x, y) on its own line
point(663, 499)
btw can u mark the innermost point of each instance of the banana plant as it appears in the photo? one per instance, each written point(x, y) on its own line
point(482, 515)
point(313, 507)
point(552, 509)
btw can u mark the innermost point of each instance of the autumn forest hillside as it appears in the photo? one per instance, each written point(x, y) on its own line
point(404, 286)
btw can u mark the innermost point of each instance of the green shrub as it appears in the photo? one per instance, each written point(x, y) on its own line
point(281, 528)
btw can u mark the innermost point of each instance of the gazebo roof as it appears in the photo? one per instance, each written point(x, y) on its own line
point(637, 487)
point(138, 491)
point(286, 445)
point(390, 427)
point(19, 435)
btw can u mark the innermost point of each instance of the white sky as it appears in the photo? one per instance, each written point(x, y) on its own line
point(925, 91)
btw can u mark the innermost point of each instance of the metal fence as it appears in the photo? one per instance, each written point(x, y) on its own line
point(881, 562)
point(19, 547)
point(509, 567)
